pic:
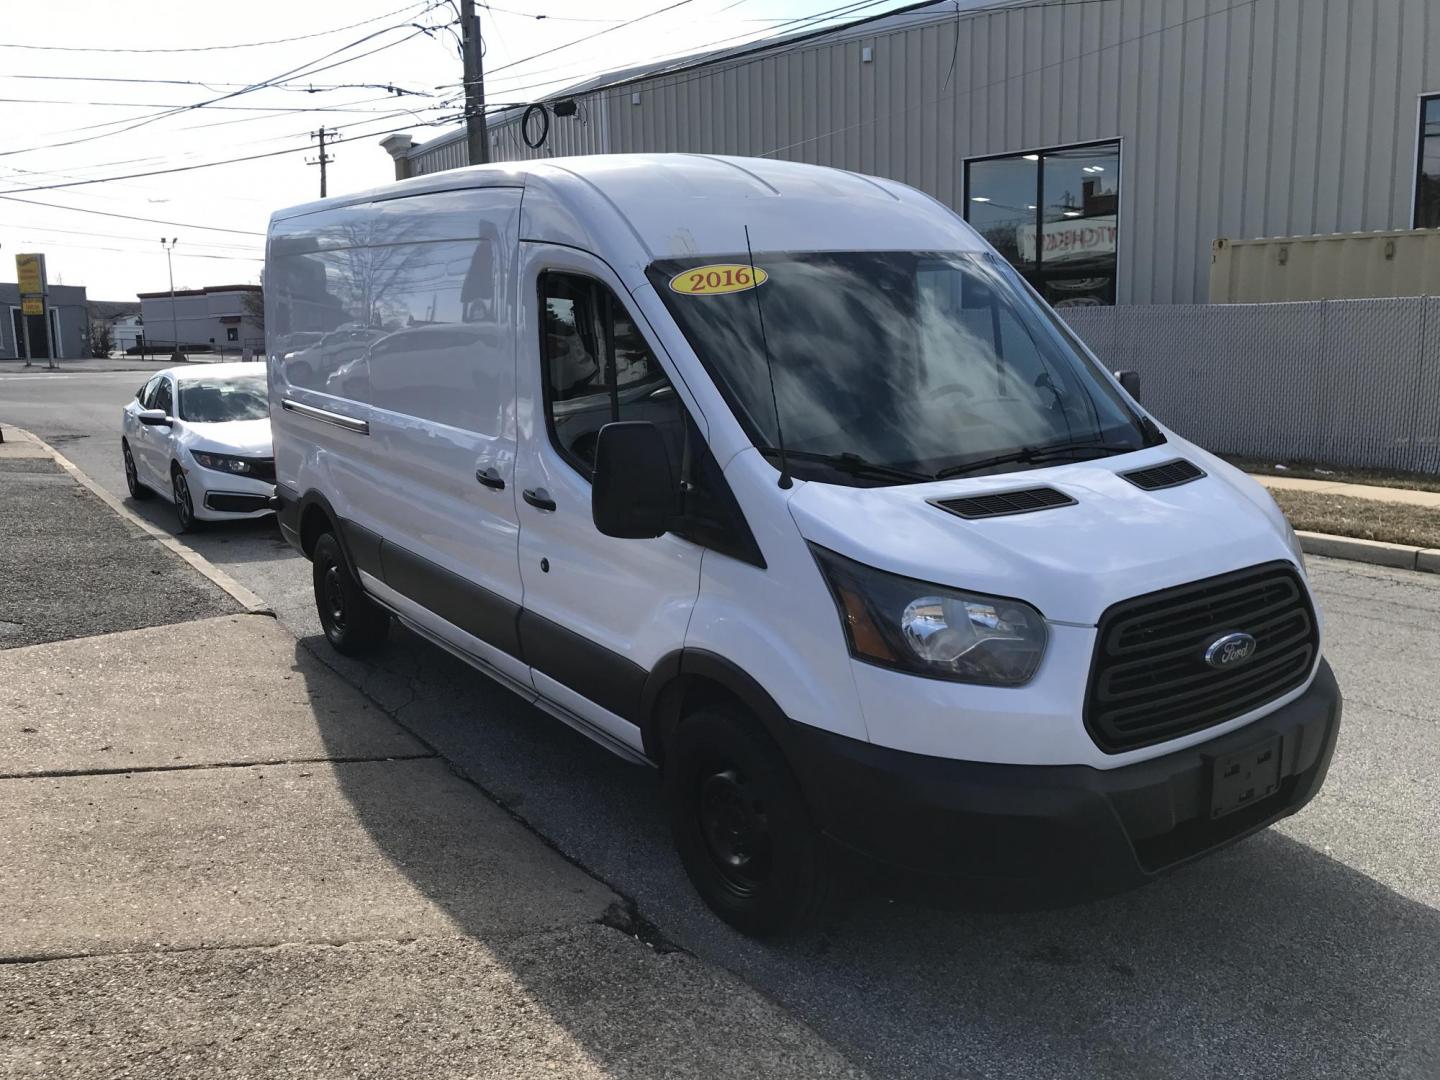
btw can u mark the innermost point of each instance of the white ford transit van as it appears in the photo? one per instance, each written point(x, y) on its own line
point(778, 478)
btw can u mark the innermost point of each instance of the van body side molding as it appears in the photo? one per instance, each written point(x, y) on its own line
point(610, 680)
point(325, 416)
point(473, 608)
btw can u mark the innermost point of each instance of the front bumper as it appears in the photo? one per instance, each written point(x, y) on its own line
point(1041, 835)
point(225, 496)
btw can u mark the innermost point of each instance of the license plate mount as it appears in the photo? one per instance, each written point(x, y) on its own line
point(1245, 777)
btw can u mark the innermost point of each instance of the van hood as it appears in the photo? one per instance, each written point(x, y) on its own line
point(247, 438)
point(1070, 562)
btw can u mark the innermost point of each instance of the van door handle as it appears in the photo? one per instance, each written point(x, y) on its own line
point(490, 478)
point(538, 498)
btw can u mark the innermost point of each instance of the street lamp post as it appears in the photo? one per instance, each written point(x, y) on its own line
point(175, 353)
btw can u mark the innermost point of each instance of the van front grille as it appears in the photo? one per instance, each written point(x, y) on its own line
point(1150, 680)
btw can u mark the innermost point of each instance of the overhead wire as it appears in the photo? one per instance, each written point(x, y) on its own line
point(210, 164)
point(217, 244)
point(129, 217)
point(696, 55)
point(296, 73)
point(212, 48)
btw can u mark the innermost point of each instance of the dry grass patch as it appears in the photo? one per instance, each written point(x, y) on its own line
point(1341, 515)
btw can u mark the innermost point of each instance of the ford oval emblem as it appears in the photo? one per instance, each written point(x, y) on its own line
point(1229, 651)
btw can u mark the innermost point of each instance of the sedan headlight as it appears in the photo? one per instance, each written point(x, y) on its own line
point(933, 630)
point(221, 462)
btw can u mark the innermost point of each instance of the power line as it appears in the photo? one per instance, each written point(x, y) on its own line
point(295, 73)
point(30, 227)
point(215, 87)
point(209, 48)
point(701, 55)
point(131, 251)
point(274, 110)
point(130, 217)
point(206, 164)
point(596, 34)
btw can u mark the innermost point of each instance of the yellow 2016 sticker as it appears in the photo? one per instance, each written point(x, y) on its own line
point(717, 278)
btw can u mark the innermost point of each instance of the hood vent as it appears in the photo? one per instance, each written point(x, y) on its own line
point(1005, 503)
point(1167, 474)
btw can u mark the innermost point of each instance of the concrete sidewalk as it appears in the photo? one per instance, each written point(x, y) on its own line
point(222, 860)
point(1374, 492)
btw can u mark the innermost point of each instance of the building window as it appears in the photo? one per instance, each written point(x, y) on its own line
point(1054, 215)
point(1427, 183)
point(232, 333)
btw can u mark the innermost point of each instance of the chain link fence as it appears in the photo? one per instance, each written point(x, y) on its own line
point(1341, 382)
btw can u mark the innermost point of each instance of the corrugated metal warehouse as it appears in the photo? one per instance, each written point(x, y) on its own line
point(1125, 136)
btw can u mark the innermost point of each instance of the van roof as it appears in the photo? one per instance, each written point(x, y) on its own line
point(696, 204)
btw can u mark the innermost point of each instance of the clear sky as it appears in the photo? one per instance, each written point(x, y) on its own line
point(81, 111)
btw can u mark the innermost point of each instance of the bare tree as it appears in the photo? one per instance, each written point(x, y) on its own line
point(252, 306)
point(101, 337)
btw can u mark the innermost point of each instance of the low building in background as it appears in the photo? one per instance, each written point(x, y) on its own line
point(61, 333)
point(221, 317)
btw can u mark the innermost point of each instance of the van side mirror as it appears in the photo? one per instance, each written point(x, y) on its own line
point(636, 495)
point(1130, 383)
point(152, 417)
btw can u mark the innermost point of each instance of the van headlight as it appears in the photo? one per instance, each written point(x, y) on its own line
point(1295, 547)
point(933, 630)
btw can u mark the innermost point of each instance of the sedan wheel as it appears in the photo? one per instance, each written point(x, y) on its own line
point(132, 477)
point(184, 508)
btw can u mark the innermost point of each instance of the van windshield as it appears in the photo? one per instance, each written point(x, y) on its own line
point(907, 363)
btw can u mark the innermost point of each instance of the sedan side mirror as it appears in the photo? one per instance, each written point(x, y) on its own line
point(636, 495)
point(1130, 383)
point(153, 417)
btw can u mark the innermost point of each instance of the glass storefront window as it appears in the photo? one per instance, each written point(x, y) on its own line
point(1053, 214)
point(1427, 184)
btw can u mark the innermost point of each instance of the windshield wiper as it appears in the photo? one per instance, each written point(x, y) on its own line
point(1031, 454)
point(850, 463)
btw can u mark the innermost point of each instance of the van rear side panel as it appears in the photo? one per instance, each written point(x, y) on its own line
point(392, 374)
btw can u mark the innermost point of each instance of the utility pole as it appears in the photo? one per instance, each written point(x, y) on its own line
point(477, 137)
point(323, 160)
point(175, 353)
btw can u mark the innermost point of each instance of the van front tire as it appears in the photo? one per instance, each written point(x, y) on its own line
point(740, 822)
point(353, 623)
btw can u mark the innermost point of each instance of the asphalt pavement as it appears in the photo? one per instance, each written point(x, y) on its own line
point(1311, 950)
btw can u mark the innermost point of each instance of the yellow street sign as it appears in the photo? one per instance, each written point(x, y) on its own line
point(32, 306)
point(30, 270)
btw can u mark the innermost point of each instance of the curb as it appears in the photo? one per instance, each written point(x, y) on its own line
point(1374, 552)
point(252, 603)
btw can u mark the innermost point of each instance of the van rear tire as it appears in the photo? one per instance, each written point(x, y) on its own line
point(353, 623)
point(742, 827)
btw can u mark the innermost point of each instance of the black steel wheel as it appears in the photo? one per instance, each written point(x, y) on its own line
point(132, 476)
point(353, 623)
point(741, 824)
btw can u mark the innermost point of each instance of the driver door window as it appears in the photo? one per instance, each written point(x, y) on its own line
point(598, 369)
point(163, 398)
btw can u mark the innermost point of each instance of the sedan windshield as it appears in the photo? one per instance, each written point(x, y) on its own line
point(895, 363)
point(216, 401)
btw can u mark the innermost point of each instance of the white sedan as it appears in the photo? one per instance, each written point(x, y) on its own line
point(200, 436)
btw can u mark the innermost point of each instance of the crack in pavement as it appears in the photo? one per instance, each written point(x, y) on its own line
point(203, 766)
